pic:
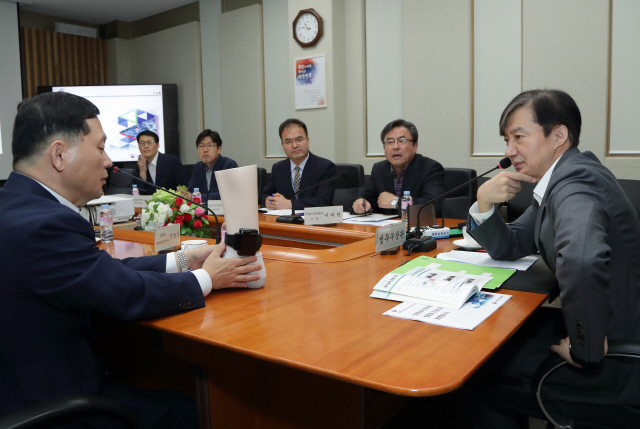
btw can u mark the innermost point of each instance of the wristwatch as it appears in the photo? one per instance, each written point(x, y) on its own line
point(246, 242)
point(394, 202)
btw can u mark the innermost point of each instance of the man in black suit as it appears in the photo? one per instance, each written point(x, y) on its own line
point(301, 170)
point(403, 170)
point(158, 168)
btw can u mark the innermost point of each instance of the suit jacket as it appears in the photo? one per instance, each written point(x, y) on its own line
point(424, 179)
point(54, 279)
point(209, 191)
point(170, 173)
point(588, 233)
point(316, 170)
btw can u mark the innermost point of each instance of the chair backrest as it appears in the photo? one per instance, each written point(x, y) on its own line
point(518, 204)
point(427, 216)
point(345, 198)
point(457, 204)
point(632, 189)
point(120, 183)
point(262, 179)
point(355, 176)
point(189, 168)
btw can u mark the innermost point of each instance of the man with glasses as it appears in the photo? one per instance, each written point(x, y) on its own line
point(158, 168)
point(301, 170)
point(209, 146)
point(403, 170)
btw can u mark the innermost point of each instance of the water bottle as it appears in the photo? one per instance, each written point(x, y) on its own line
point(406, 201)
point(134, 190)
point(106, 224)
point(196, 196)
point(223, 231)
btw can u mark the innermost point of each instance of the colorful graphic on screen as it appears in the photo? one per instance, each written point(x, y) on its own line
point(135, 122)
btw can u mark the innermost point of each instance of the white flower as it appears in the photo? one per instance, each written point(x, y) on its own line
point(145, 217)
point(184, 208)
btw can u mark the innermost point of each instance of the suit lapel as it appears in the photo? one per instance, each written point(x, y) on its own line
point(307, 175)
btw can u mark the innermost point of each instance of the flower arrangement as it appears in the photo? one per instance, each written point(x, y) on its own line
point(164, 209)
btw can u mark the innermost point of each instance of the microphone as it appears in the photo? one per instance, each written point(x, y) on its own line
point(207, 209)
point(417, 234)
point(292, 218)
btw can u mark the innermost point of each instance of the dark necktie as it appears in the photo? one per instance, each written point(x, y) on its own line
point(296, 180)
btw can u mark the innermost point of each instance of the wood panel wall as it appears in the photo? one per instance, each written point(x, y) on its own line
point(58, 59)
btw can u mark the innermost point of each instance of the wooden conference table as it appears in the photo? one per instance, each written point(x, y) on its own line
point(311, 349)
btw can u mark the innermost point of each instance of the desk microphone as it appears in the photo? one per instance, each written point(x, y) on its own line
point(207, 209)
point(416, 235)
point(292, 218)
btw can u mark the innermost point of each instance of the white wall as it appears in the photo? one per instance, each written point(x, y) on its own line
point(10, 82)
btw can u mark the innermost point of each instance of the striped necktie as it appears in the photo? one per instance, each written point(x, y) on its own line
point(296, 180)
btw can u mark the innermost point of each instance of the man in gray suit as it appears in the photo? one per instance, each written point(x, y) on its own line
point(586, 231)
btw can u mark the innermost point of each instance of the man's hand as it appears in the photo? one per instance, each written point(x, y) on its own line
point(196, 256)
point(277, 202)
point(230, 272)
point(501, 188)
point(142, 164)
point(361, 206)
point(564, 350)
point(384, 200)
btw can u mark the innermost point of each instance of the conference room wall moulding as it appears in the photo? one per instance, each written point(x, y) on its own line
point(51, 59)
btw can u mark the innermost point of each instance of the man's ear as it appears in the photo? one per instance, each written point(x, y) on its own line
point(561, 135)
point(57, 154)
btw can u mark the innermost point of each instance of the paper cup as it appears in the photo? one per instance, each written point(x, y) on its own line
point(468, 238)
point(192, 244)
point(230, 252)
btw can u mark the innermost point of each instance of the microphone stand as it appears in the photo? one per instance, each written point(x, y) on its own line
point(292, 218)
point(207, 209)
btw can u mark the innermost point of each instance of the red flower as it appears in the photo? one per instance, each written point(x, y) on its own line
point(205, 217)
point(175, 210)
point(187, 217)
point(179, 220)
point(188, 203)
point(178, 202)
point(197, 224)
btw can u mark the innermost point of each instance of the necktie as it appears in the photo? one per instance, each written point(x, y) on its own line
point(296, 180)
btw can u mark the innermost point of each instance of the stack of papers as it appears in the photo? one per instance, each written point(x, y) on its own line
point(371, 219)
point(480, 258)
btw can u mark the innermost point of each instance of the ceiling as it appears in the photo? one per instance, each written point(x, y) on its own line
point(100, 11)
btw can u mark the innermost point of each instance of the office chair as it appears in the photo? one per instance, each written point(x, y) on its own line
point(632, 189)
point(189, 169)
point(456, 205)
point(120, 183)
point(570, 415)
point(347, 188)
point(262, 179)
point(61, 410)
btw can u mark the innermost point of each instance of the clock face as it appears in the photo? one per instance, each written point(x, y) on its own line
point(307, 28)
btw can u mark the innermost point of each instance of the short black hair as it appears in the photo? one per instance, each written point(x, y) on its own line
point(150, 134)
point(215, 136)
point(400, 123)
point(292, 121)
point(550, 108)
point(48, 117)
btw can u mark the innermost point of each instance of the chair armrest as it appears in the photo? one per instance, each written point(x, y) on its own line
point(70, 406)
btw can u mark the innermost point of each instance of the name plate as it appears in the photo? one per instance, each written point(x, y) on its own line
point(216, 206)
point(167, 237)
point(322, 215)
point(140, 201)
point(390, 236)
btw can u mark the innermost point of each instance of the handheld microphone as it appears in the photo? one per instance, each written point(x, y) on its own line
point(417, 234)
point(207, 209)
point(292, 218)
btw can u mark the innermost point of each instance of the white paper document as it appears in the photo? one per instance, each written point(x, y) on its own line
point(481, 258)
point(470, 315)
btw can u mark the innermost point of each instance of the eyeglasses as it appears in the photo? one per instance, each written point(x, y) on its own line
point(208, 146)
point(402, 141)
point(147, 143)
point(298, 141)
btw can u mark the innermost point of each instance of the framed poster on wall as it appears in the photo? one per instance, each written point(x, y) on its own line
point(310, 82)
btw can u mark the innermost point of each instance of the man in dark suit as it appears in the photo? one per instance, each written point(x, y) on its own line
point(587, 232)
point(158, 168)
point(301, 170)
point(209, 144)
point(55, 278)
point(403, 170)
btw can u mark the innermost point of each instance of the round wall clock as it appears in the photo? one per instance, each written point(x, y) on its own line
point(307, 28)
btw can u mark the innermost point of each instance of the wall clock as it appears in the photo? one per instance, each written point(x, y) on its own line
point(307, 28)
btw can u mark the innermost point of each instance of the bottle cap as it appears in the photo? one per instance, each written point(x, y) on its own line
point(196, 189)
point(407, 192)
point(105, 206)
point(134, 185)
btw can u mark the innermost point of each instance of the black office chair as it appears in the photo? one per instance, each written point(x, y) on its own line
point(569, 415)
point(347, 188)
point(456, 205)
point(189, 168)
point(518, 204)
point(120, 183)
point(262, 179)
point(632, 189)
point(58, 411)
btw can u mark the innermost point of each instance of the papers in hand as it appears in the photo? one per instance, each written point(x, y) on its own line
point(431, 286)
point(485, 260)
point(467, 317)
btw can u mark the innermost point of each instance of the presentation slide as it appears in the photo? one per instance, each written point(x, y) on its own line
point(125, 111)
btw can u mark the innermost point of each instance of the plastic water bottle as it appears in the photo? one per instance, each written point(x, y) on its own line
point(223, 231)
point(134, 190)
point(406, 201)
point(106, 224)
point(196, 196)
